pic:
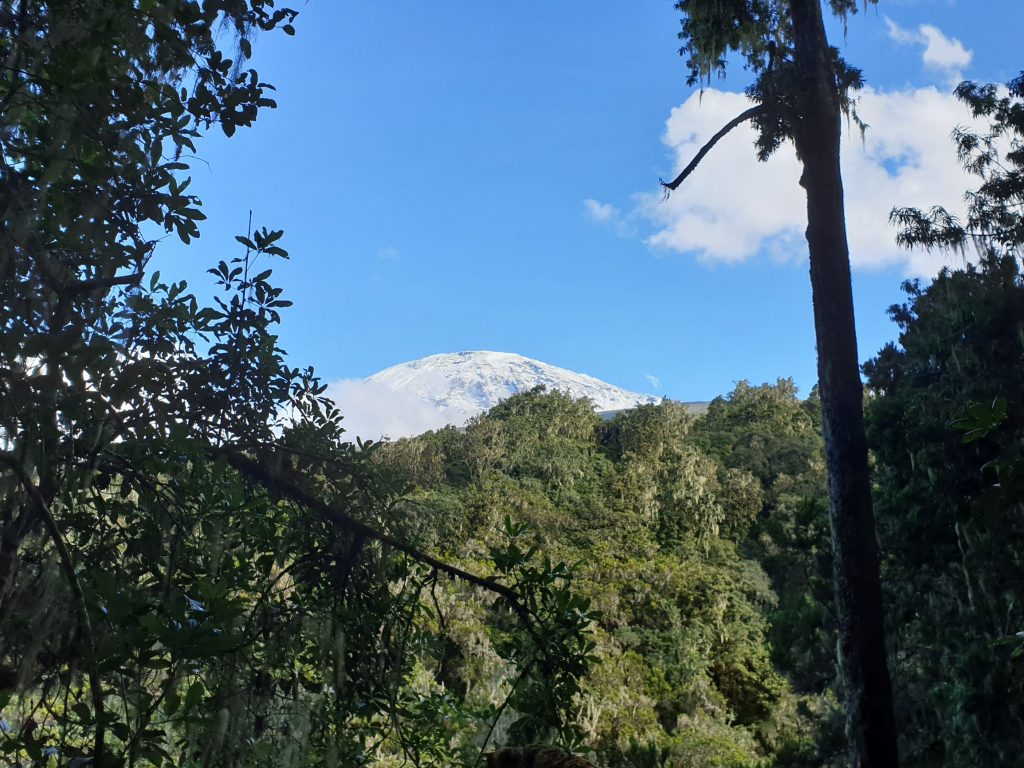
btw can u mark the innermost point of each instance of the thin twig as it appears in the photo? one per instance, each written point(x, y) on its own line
point(393, 692)
point(437, 605)
point(81, 608)
point(501, 710)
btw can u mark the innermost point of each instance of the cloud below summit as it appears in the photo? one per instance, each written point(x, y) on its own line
point(373, 411)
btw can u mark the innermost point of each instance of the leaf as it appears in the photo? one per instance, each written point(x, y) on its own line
point(151, 624)
point(194, 696)
point(171, 702)
point(979, 420)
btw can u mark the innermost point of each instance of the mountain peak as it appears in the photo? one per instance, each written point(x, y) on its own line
point(473, 382)
point(451, 388)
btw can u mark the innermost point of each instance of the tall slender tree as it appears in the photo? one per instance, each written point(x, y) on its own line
point(801, 91)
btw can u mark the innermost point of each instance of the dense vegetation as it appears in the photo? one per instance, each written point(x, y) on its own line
point(197, 569)
point(950, 513)
point(662, 529)
point(194, 568)
point(946, 422)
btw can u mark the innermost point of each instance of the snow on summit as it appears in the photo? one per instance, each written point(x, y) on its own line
point(429, 393)
point(477, 381)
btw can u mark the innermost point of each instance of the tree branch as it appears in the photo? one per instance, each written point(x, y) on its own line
point(257, 472)
point(81, 607)
point(97, 283)
point(670, 186)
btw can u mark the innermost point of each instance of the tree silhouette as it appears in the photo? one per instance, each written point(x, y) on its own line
point(801, 92)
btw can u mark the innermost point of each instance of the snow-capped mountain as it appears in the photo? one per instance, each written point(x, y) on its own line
point(476, 381)
point(424, 394)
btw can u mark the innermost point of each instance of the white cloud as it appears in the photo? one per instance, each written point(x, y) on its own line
point(600, 212)
point(943, 52)
point(389, 254)
point(734, 207)
point(946, 54)
point(372, 411)
point(654, 380)
point(901, 35)
point(623, 224)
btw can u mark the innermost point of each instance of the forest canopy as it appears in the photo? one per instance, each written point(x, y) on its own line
point(198, 567)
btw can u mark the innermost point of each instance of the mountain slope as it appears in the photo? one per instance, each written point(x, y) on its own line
point(473, 382)
point(411, 398)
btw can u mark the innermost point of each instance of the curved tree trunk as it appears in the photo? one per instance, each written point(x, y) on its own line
point(871, 730)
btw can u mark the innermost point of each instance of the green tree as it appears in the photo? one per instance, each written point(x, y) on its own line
point(99, 102)
point(195, 568)
point(950, 512)
point(802, 88)
point(945, 423)
point(768, 431)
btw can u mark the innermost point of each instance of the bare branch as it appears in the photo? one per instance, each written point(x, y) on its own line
point(670, 186)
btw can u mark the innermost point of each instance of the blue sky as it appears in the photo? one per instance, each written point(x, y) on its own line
point(479, 175)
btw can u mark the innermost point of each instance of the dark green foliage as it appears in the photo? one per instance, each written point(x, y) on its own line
point(113, 380)
point(950, 513)
point(768, 431)
point(946, 425)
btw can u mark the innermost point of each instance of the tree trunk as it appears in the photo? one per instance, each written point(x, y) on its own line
point(818, 126)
